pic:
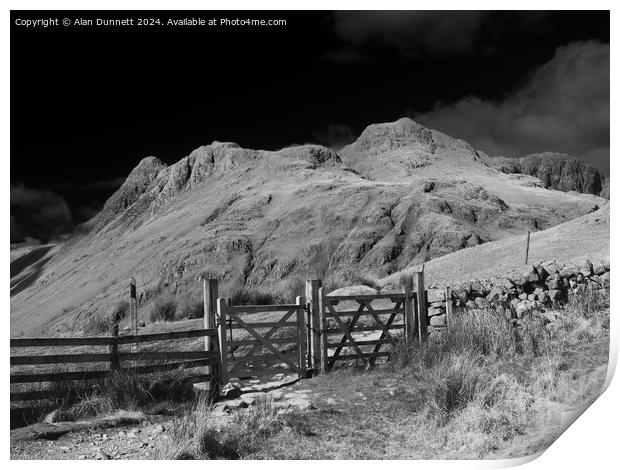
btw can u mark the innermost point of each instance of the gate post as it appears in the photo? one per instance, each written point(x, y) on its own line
point(422, 312)
point(223, 347)
point(323, 336)
point(209, 291)
point(410, 325)
point(312, 298)
point(301, 338)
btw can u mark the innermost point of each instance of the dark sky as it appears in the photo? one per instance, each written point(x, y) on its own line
point(87, 103)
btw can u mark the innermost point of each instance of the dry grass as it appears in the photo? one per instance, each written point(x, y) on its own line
point(196, 436)
point(285, 293)
point(97, 324)
point(190, 306)
point(160, 393)
point(163, 309)
point(477, 391)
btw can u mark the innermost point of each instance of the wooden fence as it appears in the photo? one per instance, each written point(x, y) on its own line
point(313, 320)
point(143, 362)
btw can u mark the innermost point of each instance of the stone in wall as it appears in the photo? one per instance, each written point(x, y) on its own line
point(527, 290)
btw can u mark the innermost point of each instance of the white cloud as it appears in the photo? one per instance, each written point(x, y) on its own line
point(563, 106)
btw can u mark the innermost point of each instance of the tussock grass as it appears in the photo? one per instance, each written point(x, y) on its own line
point(195, 435)
point(97, 324)
point(163, 309)
point(285, 293)
point(100, 323)
point(161, 392)
point(254, 296)
point(191, 306)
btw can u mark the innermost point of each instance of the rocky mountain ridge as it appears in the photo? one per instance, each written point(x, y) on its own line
point(400, 195)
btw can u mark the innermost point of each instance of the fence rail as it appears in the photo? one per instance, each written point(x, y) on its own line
point(312, 319)
point(164, 360)
point(110, 340)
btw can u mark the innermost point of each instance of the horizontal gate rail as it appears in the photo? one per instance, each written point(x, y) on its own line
point(248, 309)
point(253, 342)
point(262, 357)
point(393, 297)
point(291, 324)
point(369, 342)
point(346, 313)
point(362, 328)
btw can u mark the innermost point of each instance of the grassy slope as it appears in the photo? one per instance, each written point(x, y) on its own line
point(585, 237)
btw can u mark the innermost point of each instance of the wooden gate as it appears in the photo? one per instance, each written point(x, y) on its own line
point(348, 327)
point(260, 340)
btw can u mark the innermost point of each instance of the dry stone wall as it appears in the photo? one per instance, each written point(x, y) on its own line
point(530, 289)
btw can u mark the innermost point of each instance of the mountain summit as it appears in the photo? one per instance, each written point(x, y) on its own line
point(400, 195)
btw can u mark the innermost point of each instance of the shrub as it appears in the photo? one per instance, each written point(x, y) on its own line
point(163, 309)
point(190, 307)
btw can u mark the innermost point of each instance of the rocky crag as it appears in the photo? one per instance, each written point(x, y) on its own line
point(400, 195)
point(556, 171)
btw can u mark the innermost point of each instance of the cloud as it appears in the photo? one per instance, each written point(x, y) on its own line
point(563, 106)
point(40, 214)
point(411, 32)
point(335, 136)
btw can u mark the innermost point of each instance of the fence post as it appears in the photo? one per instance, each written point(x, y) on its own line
point(448, 307)
point(410, 326)
point(133, 312)
point(223, 347)
point(527, 247)
point(422, 312)
point(312, 298)
point(301, 338)
point(210, 292)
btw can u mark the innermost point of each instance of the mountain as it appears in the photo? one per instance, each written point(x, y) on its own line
point(556, 171)
point(400, 195)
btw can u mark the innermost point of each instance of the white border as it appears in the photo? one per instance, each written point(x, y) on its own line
point(591, 442)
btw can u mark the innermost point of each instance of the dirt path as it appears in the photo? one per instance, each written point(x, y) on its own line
point(130, 441)
point(110, 438)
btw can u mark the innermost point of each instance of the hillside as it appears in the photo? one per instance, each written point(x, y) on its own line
point(586, 237)
point(400, 195)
